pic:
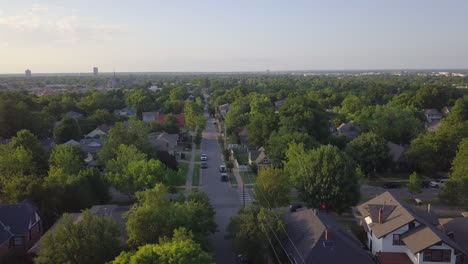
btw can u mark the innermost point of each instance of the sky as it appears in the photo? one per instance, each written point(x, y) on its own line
point(232, 35)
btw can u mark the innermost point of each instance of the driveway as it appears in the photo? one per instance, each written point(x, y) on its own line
point(225, 199)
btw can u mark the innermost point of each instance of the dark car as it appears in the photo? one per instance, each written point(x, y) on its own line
point(224, 177)
point(425, 184)
point(204, 165)
point(391, 185)
point(242, 259)
point(294, 207)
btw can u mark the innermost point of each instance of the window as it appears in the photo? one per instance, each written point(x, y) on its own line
point(18, 241)
point(397, 240)
point(437, 255)
point(411, 225)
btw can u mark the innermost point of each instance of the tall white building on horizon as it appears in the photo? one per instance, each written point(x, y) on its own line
point(27, 73)
point(95, 71)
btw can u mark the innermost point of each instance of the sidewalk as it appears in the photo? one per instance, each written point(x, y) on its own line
point(188, 183)
point(240, 182)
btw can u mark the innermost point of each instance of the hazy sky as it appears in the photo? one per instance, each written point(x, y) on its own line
point(231, 35)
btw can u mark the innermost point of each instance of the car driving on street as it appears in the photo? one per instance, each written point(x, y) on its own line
point(203, 157)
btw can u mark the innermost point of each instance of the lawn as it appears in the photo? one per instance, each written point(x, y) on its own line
point(196, 175)
point(187, 155)
point(248, 177)
point(197, 157)
point(180, 177)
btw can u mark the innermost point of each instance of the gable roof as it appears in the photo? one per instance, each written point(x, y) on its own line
point(15, 219)
point(399, 214)
point(98, 131)
point(307, 231)
point(71, 142)
point(92, 145)
point(163, 141)
point(180, 118)
point(417, 239)
point(350, 129)
point(432, 111)
point(74, 115)
point(459, 227)
point(395, 151)
point(279, 103)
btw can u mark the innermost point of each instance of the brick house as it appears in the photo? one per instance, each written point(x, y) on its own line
point(20, 227)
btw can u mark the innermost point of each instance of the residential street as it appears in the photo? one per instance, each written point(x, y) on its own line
point(225, 199)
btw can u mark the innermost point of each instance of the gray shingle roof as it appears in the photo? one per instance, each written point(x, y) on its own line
point(15, 219)
point(307, 231)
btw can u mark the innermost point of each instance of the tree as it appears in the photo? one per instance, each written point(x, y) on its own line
point(393, 123)
point(237, 116)
point(299, 114)
point(414, 185)
point(182, 248)
point(17, 173)
point(141, 100)
point(370, 152)
point(251, 231)
point(171, 124)
point(178, 93)
point(93, 239)
point(69, 158)
point(260, 128)
point(272, 188)
point(351, 106)
point(24, 138)
point(456, 189)
point(324, 176)
point(66, 130)
point(277, 144)
point(432, 97)
point(156, 217)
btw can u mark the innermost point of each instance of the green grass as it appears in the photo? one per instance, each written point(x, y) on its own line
point(196, 175)
point(181, 176)
point(232, 178)
point(197, 158)
point(187, 155)
point(248, 177)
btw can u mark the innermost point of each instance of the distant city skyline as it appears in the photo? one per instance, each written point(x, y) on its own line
point(226, 36)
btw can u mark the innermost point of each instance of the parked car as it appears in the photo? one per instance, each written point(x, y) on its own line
point(391, 185)
point(204, 165)
point(438, 183)
point(203, 157)
point(222, 168)
point(224, 177)
point(294, 207)
point(242, 259)
point(425, 184)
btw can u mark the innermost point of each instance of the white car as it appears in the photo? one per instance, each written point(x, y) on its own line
point(203, 157)
point(437, 183)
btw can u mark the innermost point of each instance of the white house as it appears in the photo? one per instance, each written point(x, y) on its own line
point(400, 233)
point(433, 114)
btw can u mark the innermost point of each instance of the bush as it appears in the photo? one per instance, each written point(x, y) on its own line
point(226, 154)
point(254, 168)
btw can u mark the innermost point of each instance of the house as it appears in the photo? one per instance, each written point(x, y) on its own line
point(72, 142)
point(446, 111)
point(163, 141)
point(432, 126)
point(113, 211)
point(350, 129)
point(432, 114)
point(20, 227)
point(243, 135)
point(316, 237)
point(279, 103)
point(91, 146)
point(74, 115)
point(457, 229)
point(397, 153)
point(401, 233)
point(155, 88)
point(48, 143)
point(149, 117)
point(180, 118)
point(259, 158)
point(98, 132)
point(128, 112)
point(223, 109)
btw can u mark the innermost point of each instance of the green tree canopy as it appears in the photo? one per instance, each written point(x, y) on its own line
point(27, 140)
point(323, 176)
point(69, 158)
point(455, 191)
point(66, 130)
point(181, 248)
point(370, 152)
point(272, 188)
point(93, 239)
point(277, 144)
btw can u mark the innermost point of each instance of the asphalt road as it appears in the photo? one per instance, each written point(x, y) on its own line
point(225, 199)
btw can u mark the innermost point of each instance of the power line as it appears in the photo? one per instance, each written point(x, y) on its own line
point(279, 241)
point(272, 247)
point(286, 232)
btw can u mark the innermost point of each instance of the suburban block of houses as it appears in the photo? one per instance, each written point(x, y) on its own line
point(404, 234)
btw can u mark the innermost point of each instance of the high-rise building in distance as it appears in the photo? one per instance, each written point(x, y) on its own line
point(28, 73)
point(95, 71)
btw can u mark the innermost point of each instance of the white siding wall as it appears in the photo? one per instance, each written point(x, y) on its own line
point(443, 246)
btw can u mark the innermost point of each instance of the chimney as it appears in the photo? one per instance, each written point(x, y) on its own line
point(315, 212)
point(380, 216)
point(326, 234)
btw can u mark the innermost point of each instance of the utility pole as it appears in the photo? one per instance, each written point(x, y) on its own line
point(225, 135)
